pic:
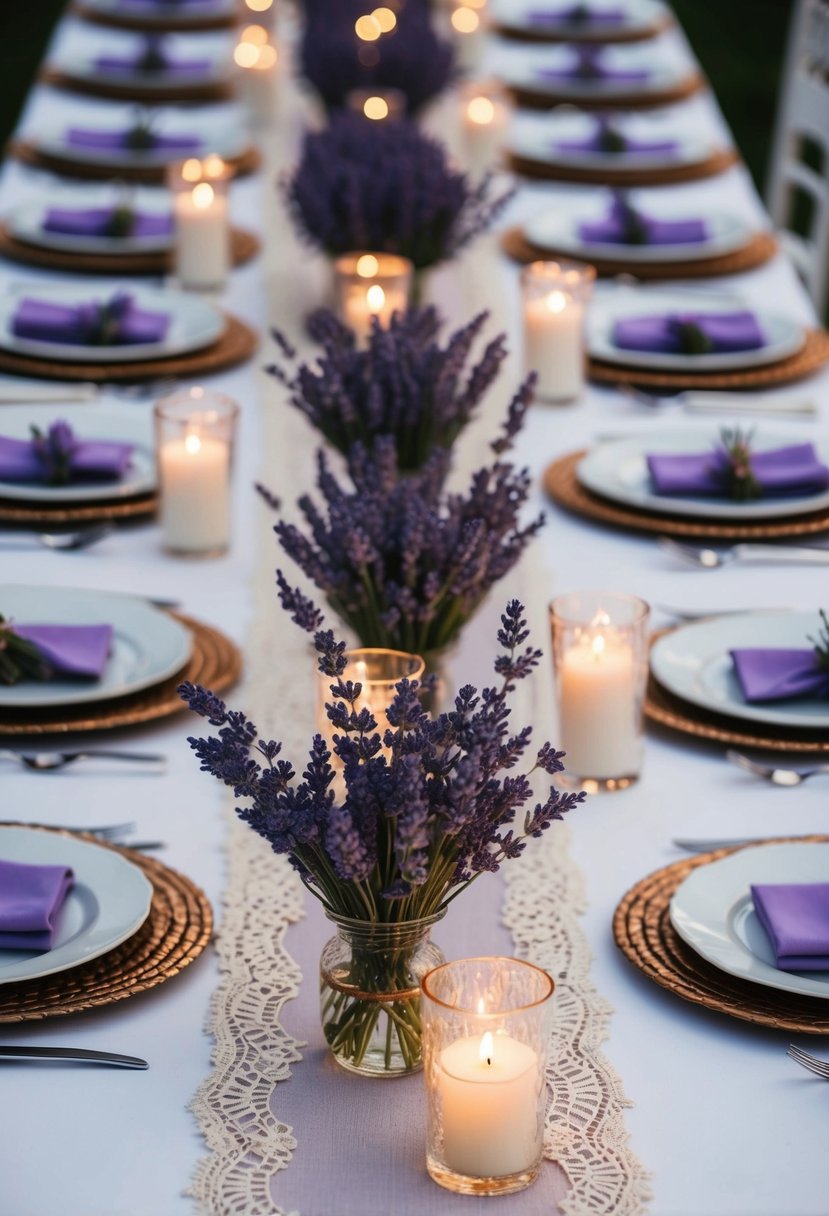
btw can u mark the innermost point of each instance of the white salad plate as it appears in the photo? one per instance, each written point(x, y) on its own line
point(156, 14)
point(712, 910)
point(79, 59)
point(148, 645)
point(521, 65)
point(536, 137)
point(640, 16)
point(26, 221)
point(110, 900)
point(225, 136)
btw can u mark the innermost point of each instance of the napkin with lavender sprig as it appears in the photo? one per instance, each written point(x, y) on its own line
point(690, 333)
point(152, 59)
point(139, 137)
point(625, 224)
point(31, 897)
point(579, 15)
point(607, 137)
point(784, 673)
point(114, 322)
point(116, 222)
point(38, 651)
point(57, 457)
point(732, 469)
point(589, 66)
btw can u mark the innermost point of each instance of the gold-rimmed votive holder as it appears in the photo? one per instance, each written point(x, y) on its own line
point(378, 671)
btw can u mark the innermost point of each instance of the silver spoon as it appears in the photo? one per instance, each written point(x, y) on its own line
point(773, 774)
point(713, 559)
point(80, 538)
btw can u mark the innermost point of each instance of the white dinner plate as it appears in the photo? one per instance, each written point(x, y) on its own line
point(79, 59)
point(521, 64)
point(639, 17)
point(712, 910)
point(618, 470)
point(159, 14)
point(109, 902)
point(693, 662)
point(148, 645)
point(26, 221)
point(785, 335)
point(194, 322)
point(558, 229)
point(88, 421)
point(535, 136)
point(226, 137)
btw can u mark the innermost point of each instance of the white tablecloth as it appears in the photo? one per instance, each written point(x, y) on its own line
point(727, 1125)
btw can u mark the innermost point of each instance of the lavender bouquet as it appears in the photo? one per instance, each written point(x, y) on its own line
point(426, 805)
point(386, 186)
point(404, 384)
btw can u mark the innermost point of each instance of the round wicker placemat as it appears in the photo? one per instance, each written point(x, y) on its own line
point(164, 21)
point(637, 99)
point(578, 33)
point(27, 152)
point(43, 515)
point(216, 662)
point(236, 345)
point(151, 94)
point(643, 932)
point(178, 928)
point(561, 483)
point(243, 247)
point(759, 249)
point(624, 175)
point(811, 357)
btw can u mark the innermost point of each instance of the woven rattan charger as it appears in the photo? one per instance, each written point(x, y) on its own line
point(529, 98)
point(165, 20)
point(45, 516)
point(617, 173)
point(178, 928)
point(99, 171)
point(578, 32)
point(643, 932)
point(160, 93)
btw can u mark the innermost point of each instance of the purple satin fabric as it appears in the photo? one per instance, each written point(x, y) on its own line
point(71, 650)
point(578, 15)
point(588, 67)
point(91, 460)
point(118, 141)
point(94, 221)
point(614, 229)
point(165, 6)
point(735, 331)
point(30, 899)
point(769, 674)
point(73, 324)
point(795, 469)
point(593, 143)
point(121, 65)
point(796, 918)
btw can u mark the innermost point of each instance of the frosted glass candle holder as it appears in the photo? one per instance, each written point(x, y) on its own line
point(369, 285)
point(201, 222)
point(600, 655)
point(555, 296)
point(486, 1027)
point(194, 451)
point(378, 671)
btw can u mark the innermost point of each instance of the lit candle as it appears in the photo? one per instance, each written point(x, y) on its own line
point(371, 285)
point(555, 294)
point(488, 1087)
point(378, 105)
point(256, 57)
point(485, 117)
point(468, 28)
point(201, 218)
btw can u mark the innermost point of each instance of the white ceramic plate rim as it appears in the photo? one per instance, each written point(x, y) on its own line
point(640, 15)
point(89, 422)
point(121, 891)
point(689, 150)
point(602, 472)
point(194, 323)
point(156, 15)
point(713, 913)
point(26, 221)
point(663, 75)
point(692, 658)
point(82, 67)
point(786, 335)
point(558, 229)
point(216, 138)
point(148, 645)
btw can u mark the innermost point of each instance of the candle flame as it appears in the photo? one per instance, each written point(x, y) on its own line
point(481, 110)
point(385, 18)
point(598, 645)
point(601, 620)
point(214, 166)
point(368, 28)
point(246, 54)
point(376, 108)
point(487, 1044)
point(191, 170)
point(465, 20)
point(367, 266)
point(481, 1005)
point(375, 298)
point(203, 195)
point(361, 671)
point(257, 34)
point(556, 301)
point(259, 6)
point(192, 444)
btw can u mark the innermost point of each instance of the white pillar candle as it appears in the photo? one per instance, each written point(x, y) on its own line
point(553, 336)
point(195, 494)
point(469, 30)
point(600, 728)
point(488, 1090)
point(202, 236)
point(256, 58)
point(484, 123)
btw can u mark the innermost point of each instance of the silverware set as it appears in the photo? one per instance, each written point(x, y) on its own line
point(819, 1067)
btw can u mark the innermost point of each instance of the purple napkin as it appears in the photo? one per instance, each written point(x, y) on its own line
point(624, 225)
point(80, 324)
point(165, 5)
point(578, 14)
point(70, 650)
point(796, 918)
point(141, 65)
point(791, 470)
point(690, 333)
point(119, 141)
point(610, 140)
point(97, 221)
point(30, 900)
point(89, 460)
point(779, 675)
point(588, 67)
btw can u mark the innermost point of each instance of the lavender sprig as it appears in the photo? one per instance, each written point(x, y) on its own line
point(821, 642)
point(20, 659)
point(55, 450)
point(737, 468)
point(386, 186)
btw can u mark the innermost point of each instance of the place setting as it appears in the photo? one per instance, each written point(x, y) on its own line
point(603, 21)
point(184, 15)
point(619, 235)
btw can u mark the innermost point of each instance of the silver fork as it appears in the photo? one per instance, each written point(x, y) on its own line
point(713, 559)
point(43, 762)
point(79, 538)
point(720, 403)
point(819, 1067)
point(80, 1055)
point(777, 776)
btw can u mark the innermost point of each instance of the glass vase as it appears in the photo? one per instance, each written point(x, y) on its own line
point(370, 977)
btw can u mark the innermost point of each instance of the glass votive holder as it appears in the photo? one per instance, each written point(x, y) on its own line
point(379, 105)
point(600, 656)
point(486, 1027)
point(201, 221)
point(485, 113)
point(555, 295)
point(194, 450)
point(256, 58)
point(378, 671)
point(369, 285)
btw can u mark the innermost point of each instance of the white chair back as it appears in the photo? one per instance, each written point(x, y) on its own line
point(798, 185)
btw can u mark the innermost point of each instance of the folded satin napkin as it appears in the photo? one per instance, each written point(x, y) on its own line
point(152, 60)
point(69, 650)
point(103, 221)
point(795, 469)
point(690, 333)
point(609, 139)
point(119, 141)
point(768, 674)
point(588, 66)
point(166, 5)
point(579, 14)
point(28, 460)
point(115, 322)
point(796, 918)
point(30, 899)
point(624, 225)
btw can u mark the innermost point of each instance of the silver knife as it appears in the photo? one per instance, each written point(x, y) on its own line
point(707, 846)
point(79, 1054)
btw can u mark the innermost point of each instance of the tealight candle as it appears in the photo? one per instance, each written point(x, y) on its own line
point(555, 295)
point(599, 651)
point(371, 285)
point(257, 57)
point(378, 105)
point(202, 228)
point(485, 117)
point(194, 445)
point(485, 1031)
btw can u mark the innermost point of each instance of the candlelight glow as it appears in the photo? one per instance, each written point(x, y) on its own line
point(481, 110)
point(487, 1044)
point(257, 34)
point(556, 301)
point(367, 266)
point(375, 298)
point(213, 166)
point(259, 6)
point(465, 20)
point(481, 1005)
point(246, 54)
point(266, 58)
point(191, 170)
point(368, 28)
point(375, 107)
point(192, 445)
point(385, 18)
point(597, 646)
point(203, 195)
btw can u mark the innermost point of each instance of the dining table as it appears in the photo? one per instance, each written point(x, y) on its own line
point(657, 1104)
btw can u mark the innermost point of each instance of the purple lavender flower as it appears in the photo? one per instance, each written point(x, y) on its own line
point(405, 384)
point(386, 186)
point(55, 450)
